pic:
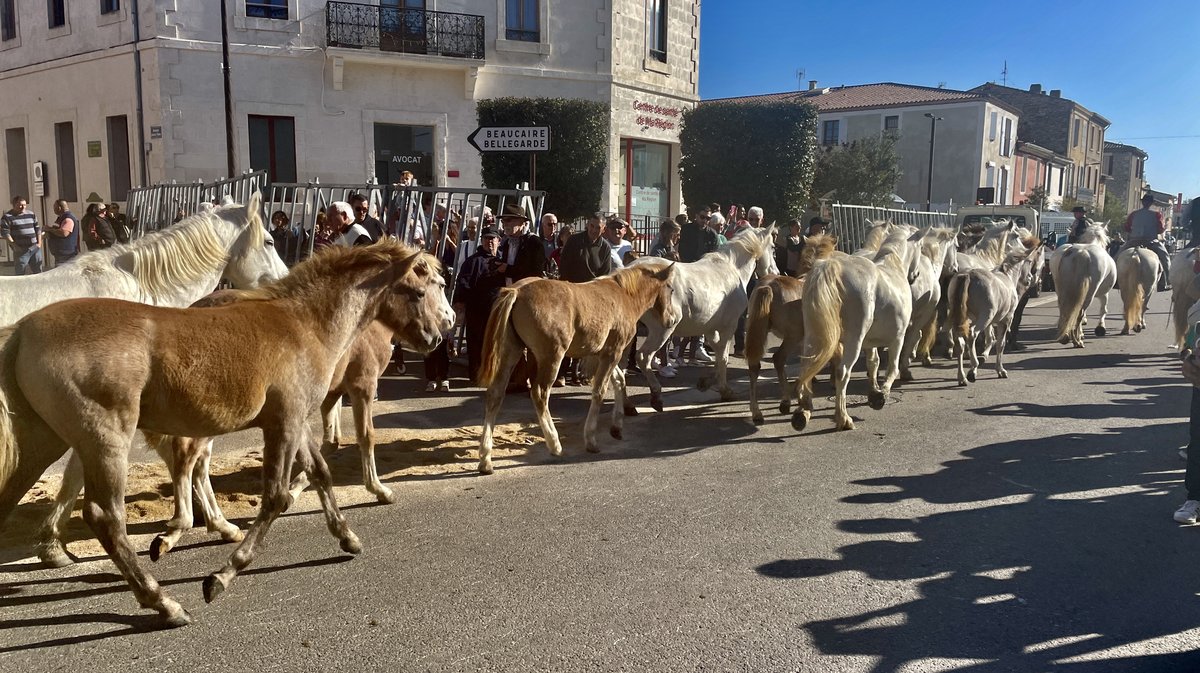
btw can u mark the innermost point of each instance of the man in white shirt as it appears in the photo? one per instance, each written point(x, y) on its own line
point(614, 233)
point(350, 233)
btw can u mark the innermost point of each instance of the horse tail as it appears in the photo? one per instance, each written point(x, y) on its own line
point(1129, 272)
point(1071, 295)
point(758, 321)
point(9, 458)
point(494, 339)
point(928, 337)
point(821, 305)
point(957, 296)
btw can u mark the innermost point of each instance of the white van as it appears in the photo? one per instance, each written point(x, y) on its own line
point(1056, 224)
point(1024, 216)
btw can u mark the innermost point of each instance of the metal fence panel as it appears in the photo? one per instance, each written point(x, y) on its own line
point(851, 222)
point(159, 206)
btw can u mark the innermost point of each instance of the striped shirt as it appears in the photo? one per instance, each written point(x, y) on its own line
point(23, 228)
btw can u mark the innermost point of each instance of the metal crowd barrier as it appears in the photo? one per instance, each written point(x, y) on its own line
point(851, 222)
point(159, 206)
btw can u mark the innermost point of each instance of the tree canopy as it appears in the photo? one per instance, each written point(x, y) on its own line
point(864, 172)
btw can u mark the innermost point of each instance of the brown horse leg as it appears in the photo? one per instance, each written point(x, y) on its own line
point(182, 463)
point(50, 547)
point(494, 397)
point(201, 483)
point(361, 401)
point(105, 467)
point(309, 457)
point(278, 455)
point(620, 401)
point(605, 361)
point(780, 361)
point(539, 392)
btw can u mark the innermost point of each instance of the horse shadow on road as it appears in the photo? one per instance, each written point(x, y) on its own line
point(1143, 399)
point(1050, 553)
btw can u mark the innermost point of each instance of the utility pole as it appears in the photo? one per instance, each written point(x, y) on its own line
point(228, 96)
point(929, 186)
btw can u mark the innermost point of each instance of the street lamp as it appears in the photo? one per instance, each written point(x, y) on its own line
point(929, 186)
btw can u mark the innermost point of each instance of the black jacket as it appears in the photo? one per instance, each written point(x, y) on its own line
point(582, 260)
point(478, 284)
point(530, 260)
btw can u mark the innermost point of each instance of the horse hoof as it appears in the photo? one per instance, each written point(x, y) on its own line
point(962, 383)
point(178, 619)
point(656, 403)
point(1137, 328)
point(386, 497)
point(593, 449)
point(1124, 332)
point(1100, 331)
point(157, 548)
point(758, 419)
point(236, 535)
point(616, 433)
point(350, 544)
point(631, 411)
point(876, 400)
point(56, 560)
point(785, 407)
point(703, 383)
point(799, 422)
point(1064, 340)
point(727, 396)
point(486, 468)
point(971, 377)
point(213, 587)
point(1002, 374)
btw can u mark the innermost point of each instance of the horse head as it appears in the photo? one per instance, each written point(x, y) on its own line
point(765, 264)
point(1095, 233)
point(415, 306)
point(253, 259)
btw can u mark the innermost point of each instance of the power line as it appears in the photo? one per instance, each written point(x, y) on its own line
point(1153, 137)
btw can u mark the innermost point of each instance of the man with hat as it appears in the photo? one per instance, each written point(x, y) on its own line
point(478, 286)
point(614, 233)
point(1145, 228)
point(521, 252)
point(1080, 224)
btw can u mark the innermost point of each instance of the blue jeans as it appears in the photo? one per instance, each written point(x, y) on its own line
point(29, 260)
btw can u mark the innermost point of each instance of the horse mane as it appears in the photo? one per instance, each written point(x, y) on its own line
point(876, 235)
point(993, 246)
point(341, 262)
point(632, 280)
point(823, 244)
point(1095, 233)
point(749, 241)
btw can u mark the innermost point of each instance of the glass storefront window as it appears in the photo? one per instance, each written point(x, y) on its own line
point(400, 148)
point(646, 180)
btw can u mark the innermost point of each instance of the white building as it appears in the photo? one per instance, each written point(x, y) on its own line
point(344, 92)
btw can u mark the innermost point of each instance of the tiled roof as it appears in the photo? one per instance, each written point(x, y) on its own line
point(867, 96)
point(1110, 146)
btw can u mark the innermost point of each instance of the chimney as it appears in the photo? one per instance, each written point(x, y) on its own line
point(812, 85)
point(1035, 88)
point(1056, 93)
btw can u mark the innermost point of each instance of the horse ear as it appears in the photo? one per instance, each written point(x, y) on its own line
point(917, 236)
point(255, 204)
point(665, 272)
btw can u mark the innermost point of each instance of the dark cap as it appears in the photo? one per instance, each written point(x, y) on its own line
point(1147, 197)
point(488, 233)
point(818, 221)
point(1079, 209)
point(616, 223)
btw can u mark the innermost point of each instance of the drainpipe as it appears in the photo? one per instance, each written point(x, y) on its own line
point(137, 78)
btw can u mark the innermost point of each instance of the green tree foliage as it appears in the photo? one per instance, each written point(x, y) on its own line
point(1038, 198)
point(1114, 214)
point(573, 172)
point(757, 154)
point(865, 172)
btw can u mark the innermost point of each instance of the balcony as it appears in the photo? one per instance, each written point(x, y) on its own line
point(406, 31)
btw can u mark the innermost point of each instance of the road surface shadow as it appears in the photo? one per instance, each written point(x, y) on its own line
point(1144, 399)
point(1033, 576)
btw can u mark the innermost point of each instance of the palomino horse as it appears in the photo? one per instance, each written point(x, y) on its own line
point(983, 303)
point(852, 303)
point(554, 319)
point(1082, 272)
point(775, 308)
point(707, 296)
point(1137, 274)
point(266, 362)
point(172, 267)
point(1185, 290)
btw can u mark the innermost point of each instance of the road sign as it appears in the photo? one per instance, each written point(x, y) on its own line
point(511, 138)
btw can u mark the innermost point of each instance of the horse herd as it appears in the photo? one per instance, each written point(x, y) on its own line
point(107, 346)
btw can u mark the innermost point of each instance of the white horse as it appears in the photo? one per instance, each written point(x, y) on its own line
point(1137, 274)
point(983, 303)
point(1083, 272)
point(852, 303)
point(172, 267)
point(707, 296)
point(1184, 290)
point(937, 255)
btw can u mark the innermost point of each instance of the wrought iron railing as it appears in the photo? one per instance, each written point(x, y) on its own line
point(409, 31)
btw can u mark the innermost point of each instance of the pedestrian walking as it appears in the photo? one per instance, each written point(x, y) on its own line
point(20, 228)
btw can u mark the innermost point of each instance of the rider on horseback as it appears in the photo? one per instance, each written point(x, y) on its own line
point(1145, 228)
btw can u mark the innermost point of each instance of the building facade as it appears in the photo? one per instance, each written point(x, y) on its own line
point(1035, 166)
point(344, 92)
point(1063, 126)
point(974, 138)
point(1125, 166)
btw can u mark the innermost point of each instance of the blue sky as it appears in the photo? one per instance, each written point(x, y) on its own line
point(1138, 64)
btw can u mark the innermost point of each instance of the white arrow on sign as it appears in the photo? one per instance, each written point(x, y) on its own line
point(511, 138)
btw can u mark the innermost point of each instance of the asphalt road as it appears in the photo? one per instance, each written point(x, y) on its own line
point(1015, 525)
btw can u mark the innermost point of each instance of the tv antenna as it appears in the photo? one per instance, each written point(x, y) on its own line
point(1004, 74)
point(800, 79)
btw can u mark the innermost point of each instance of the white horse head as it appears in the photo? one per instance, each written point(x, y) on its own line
point(757, 244)
point(1095, 233)
point(253, 259)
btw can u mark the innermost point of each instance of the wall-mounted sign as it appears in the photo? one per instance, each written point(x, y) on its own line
point(656, 116)
point(93, 148)
point(511, 138)
point(155, 132)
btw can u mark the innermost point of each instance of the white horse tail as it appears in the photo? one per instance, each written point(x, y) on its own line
point(9, 457)
point(495, 338)
point(1072, 286)
point(1129, 276)
point(956, 300)
point(758, 321)
point(821, 304)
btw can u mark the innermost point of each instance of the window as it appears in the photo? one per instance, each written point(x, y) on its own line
point(108, 7)
point(992, 126)
point(830, 131)
point(8, 20)
point(267, 9)
point(399, 148)
point(1003, 186)
point(118, 156)
point(64, 151)
point(1110, 164)
point(1006, 138)
point(1024, 173)
point(1075, 135)
point(18, 175)
point(56, 11)
point(1141, 165)
point(656, 29)
point(521, 19)
point(891, 124)
point(273, 146)
point(1061, 178)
